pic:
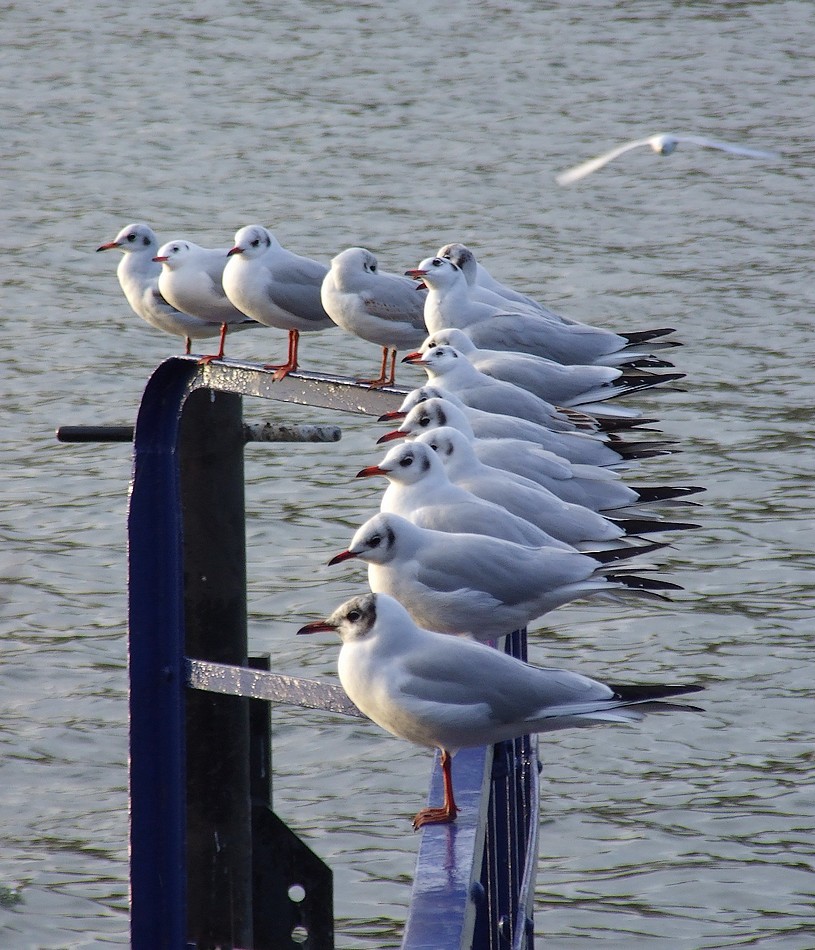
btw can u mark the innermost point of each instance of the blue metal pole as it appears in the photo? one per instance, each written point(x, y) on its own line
point(157, 675)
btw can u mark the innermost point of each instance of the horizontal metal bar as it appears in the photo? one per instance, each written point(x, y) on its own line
point(95, 434)
point(281, 432)
point(253, 432)
point(273, 687)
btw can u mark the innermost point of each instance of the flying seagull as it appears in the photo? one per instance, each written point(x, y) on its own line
point(663, 143)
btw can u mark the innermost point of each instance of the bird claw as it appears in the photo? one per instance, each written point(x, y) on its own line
point(435, 816)
point(282, 370)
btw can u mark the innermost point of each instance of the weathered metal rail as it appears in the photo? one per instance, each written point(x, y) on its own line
point(211, 864)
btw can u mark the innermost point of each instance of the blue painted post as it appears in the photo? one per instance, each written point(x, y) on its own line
point(186, 571)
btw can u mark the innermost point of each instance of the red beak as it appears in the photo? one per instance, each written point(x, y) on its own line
point(390, 436)
point(161, 260)
point(392, 416)
point(416, 358)
point(342, 556)
point(371, 470)
point(318, 626)
point(229, 253)
point(108, 246)
point(415, 274)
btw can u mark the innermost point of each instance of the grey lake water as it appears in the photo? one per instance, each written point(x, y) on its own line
point(402, 127)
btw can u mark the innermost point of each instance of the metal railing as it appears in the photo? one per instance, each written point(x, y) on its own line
point(211, 864)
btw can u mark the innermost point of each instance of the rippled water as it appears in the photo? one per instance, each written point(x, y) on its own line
point(402, 127)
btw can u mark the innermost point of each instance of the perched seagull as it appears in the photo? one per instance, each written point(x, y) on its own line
point(449, 304)
point(590, 485)
point(190, 281)
point(449, 370)
point(663, 144)
point(480, 279)
point(480, 586)
point(275, 287)
point(378, 306)
point(449, 693)
point(581, 527)
point(583, 447)
point(420, 491)
point(138, 277)
point(568, 386)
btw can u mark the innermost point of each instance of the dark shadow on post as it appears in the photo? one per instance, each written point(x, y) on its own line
point(219, 832)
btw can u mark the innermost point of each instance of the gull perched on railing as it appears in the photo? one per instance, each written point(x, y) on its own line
point(663, 143)
point(443, 692)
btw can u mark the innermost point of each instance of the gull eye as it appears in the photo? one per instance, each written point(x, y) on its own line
point(407, 461)
point(131, 237)
point(354, 615)
point(424, 421)
point(373, 268)
point(439, 262)
point(255, 243)
point(374, 541)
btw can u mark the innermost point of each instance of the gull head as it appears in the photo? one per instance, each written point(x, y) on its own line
point(173, 254)
point(252, 241)
point(450, 336)
point(437, 361)
point(378, 540)
point(463, 258)
point(135, 238)
point(663, 144)
point(436, 272)
point(432, 414)
point(416, 396)
point(406, 464)
point(352, 265)
point(352, 620)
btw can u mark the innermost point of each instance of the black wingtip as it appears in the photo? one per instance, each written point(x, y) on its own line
point(638, 337)
point(611, 555)
point(665, 492)
point(649, 525)
point(639, 582)
point(644, 692)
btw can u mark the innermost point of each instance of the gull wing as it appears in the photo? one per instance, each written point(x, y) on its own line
point(586, 168)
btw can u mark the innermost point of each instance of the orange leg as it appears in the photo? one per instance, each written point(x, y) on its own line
point(283, 369)
point(383, 379)
point(220, 354)
point(188, 348)
point(449, 810)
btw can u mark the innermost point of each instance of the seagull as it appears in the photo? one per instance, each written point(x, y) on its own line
point(582, 447)
point(420, 491)
point(449, 370)
point(581, 527)
point(568, 386)
point(378, 306)
point(190, 281)
point(590, 485)
point(663, 143)
point(138, 277)
point(450, 304)
point(479, 586)
point(479, 280)
point(449, 693)
point(275, 287)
